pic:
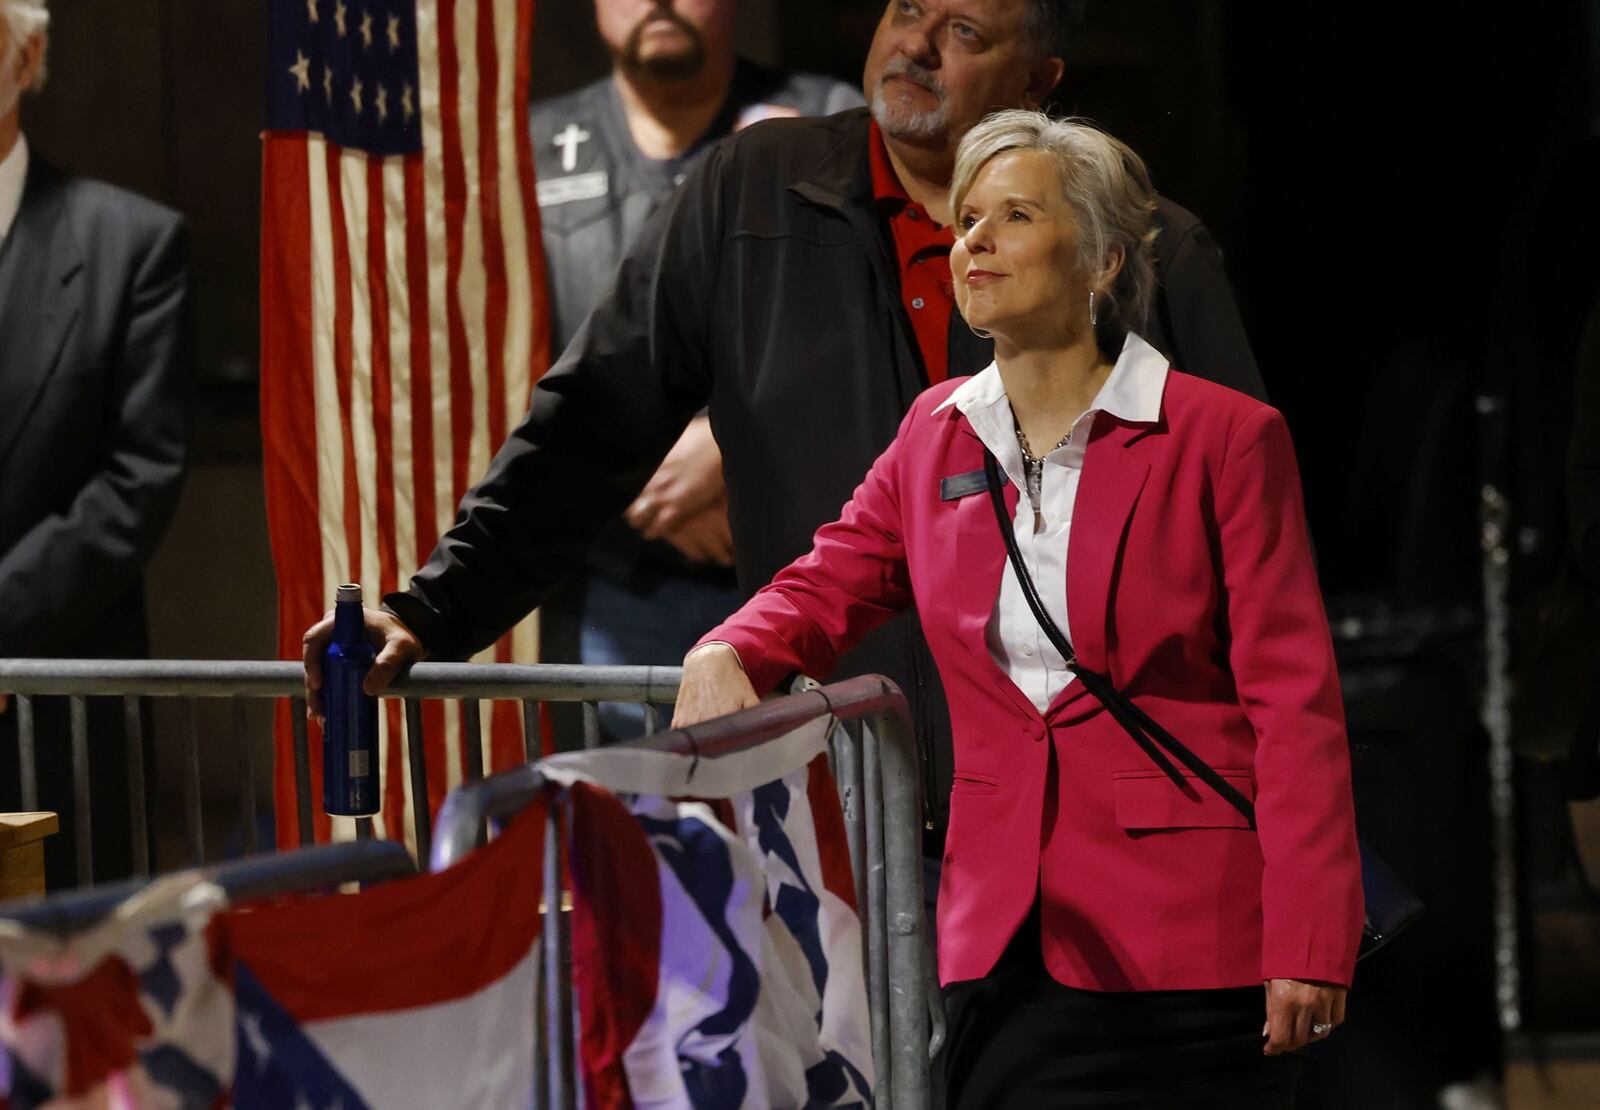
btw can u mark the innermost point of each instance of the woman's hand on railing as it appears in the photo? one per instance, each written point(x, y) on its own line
point(714, 685)
point(397, 646)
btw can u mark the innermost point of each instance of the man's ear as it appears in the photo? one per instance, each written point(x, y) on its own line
point(1042, 80)
point(31, 62)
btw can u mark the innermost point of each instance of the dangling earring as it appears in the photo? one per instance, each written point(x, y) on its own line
point(979, 332)
point(1094, 317)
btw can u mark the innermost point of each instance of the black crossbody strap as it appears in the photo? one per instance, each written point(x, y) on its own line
point(1134, 721)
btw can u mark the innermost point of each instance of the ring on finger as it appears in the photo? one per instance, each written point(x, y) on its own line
point(1322, 1029)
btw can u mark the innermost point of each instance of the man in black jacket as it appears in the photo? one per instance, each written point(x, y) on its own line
point(608, 155)
point(789, 285)
point(94, 375)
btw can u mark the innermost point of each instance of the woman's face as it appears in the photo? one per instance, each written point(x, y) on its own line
point(1015, 261)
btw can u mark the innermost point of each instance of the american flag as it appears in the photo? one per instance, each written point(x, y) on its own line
point(403, 317)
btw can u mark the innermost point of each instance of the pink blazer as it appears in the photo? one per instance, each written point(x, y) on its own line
point(1190, 582)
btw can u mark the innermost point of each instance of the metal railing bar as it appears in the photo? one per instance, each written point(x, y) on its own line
point(652, 719)
point(244, 879)
point(472, 737)
point(138, 813)
point(556, 956)
point(417, 758)
point(27, 764)
point(364, 829)
point(465, 815)
point(194, 823)
point(302, 770)
point(876, 920)
point(82, 824)
point(209, 678)
point(247, 776)
point(469, 808)
point(541, 1037)
point(591, 724)
point(909, 1010)
point(532, 731)
point(847, 775)
point(314, 868)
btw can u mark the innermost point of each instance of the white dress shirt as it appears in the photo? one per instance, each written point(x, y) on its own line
point(13, 174)
point(1131, 393)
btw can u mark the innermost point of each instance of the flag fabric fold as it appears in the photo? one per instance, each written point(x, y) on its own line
point(135, 1011)
point(415, 993)
point(717, 948)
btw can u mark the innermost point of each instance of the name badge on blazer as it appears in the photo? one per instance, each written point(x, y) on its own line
point(957, 486)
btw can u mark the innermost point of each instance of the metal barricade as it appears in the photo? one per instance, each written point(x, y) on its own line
point(132, 680)
point(873, 753)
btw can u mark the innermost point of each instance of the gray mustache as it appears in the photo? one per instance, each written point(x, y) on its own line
point(905, 67)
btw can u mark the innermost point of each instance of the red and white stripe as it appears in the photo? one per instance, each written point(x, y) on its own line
point(403, 324)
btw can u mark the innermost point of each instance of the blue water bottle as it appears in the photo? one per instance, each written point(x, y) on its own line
point(350, 726)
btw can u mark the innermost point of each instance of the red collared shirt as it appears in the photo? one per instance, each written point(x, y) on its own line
point(922, 248)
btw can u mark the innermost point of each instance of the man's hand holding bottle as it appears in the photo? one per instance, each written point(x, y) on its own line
point(396, 645)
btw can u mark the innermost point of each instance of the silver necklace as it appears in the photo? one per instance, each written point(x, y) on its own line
point(1034, 469)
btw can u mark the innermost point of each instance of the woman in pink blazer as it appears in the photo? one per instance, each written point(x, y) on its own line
point(1105, 924)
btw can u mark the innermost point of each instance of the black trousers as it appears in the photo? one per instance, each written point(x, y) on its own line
point(1019, 1039)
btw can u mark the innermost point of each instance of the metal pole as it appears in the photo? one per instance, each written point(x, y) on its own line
point(416, 754)
point(247, 879)
point(847, 762)
point(532, 731)
point(138, 816)
point(302, 770)
point(591, 724)
point(27, 764)
point(557, 967)
point(247, 775)
point(541, 1036)
point(191, 784)
point(876, 923)
point(472, 737)
point(902, 829)
point(81, 817)
point(205, 678)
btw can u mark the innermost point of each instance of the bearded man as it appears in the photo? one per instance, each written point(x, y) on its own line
point(609, 155)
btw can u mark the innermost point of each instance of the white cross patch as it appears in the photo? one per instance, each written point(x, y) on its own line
point(568, 142)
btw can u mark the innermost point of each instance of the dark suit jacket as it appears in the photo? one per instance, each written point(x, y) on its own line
point(94, 377)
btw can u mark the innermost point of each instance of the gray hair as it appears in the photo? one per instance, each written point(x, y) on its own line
point(1106, 185)
point(24, 19)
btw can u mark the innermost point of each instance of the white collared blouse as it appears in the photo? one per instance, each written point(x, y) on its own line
point(1131, 393)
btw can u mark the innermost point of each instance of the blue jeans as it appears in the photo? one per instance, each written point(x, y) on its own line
point(654, 625)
